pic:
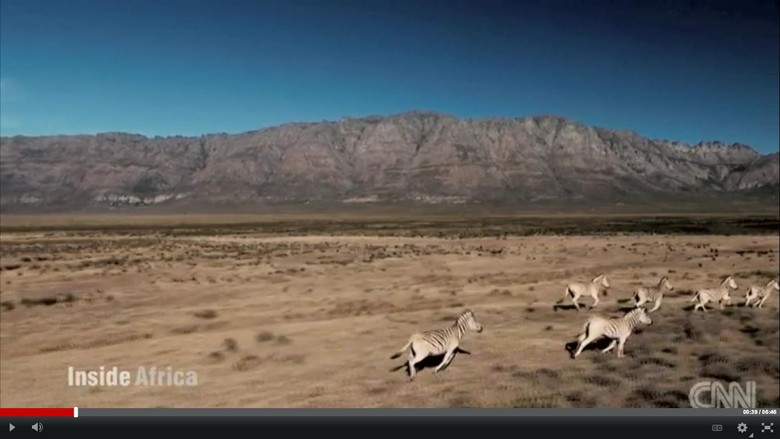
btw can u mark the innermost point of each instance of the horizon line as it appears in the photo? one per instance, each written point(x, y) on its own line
point(389, 116)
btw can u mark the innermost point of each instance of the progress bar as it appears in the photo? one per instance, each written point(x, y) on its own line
point(75, 412)
point(42, 412)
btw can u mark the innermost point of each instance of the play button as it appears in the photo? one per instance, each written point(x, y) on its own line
point(11, 427)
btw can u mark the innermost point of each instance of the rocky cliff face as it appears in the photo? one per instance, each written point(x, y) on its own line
point(420, 156)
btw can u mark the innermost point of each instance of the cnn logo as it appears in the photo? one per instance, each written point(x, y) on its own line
point(714, 394)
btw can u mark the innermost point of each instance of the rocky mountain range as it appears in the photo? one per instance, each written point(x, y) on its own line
point(415, 156)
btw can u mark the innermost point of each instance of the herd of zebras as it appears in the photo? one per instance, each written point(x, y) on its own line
point(447, 340)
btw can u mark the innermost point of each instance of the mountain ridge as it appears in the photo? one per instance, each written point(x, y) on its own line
point(420, 156)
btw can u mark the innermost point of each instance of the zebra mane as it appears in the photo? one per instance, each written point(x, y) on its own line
point(634, 312)
point(461, 324)
point(632, 317)
point(465, 314)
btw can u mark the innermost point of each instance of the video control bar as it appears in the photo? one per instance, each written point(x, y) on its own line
point(529, 427)
point(637, 423)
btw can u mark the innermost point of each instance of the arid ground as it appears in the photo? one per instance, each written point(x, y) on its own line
point(298, 314)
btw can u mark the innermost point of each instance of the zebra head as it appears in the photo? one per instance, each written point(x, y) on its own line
point(470, 321)
point(666, 284)
point(643, 317)
point(601, 279)
point(730, 282)
point(773, 284)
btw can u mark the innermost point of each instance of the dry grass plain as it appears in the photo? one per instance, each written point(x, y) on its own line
point(291, 314)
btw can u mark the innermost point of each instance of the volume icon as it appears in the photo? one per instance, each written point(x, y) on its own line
point(37, 427)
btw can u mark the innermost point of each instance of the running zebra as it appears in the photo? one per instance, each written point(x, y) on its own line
point(760, 294)
point(438, 342)
point(576, 290)
point(653, 294)
point(618, 329)
point(720, 294)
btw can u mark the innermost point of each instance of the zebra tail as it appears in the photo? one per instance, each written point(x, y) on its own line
point(695, 296)
point(403, 349)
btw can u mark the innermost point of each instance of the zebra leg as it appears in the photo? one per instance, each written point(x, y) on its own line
point(447, 358)
point(414, 358)
point(621, 344)
point(609, 348)
point(656, 305)
point(595, 300)
point(574, 298)
point(761, 302)
point(582, 345)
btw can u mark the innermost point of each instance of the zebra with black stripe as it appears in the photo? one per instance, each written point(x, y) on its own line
point(653, 294)
point(618, 329)
point(575, 290)
point(721, 294)
point(760, 294)
point(438, 341)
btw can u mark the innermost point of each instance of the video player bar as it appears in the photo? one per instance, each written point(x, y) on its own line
point(284, 423)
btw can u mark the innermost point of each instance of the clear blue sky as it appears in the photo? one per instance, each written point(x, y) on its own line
point(686, 70)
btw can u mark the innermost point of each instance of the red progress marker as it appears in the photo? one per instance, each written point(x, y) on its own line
point(70, 412)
